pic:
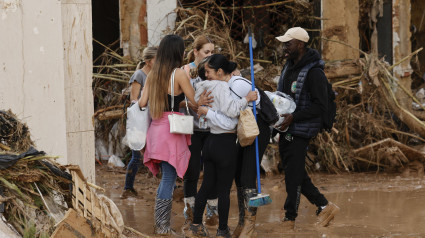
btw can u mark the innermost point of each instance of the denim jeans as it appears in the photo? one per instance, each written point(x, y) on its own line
point(168, 180)
point(132, 169)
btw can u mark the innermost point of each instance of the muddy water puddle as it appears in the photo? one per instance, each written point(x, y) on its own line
point(371, 205)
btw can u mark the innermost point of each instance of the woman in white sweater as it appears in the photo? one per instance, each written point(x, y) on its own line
point(220, 149)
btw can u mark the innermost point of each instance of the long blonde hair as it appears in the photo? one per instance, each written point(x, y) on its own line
point(169, 56)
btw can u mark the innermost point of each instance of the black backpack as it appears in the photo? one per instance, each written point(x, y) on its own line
point(268, 111)
point(328, 118)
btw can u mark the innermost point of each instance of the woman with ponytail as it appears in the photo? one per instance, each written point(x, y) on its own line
point(245, 177)
point(220, 149)
point(137, 81)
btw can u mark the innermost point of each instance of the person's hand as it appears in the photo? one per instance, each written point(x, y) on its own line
point(286, 122)
point(202, 111)
point(205, 99)
point(251, 96)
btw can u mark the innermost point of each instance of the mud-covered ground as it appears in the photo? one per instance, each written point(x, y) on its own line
point(372, 205)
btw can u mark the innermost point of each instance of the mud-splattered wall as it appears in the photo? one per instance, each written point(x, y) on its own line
point(340, 24)
point(402, 47)
point(144, 22)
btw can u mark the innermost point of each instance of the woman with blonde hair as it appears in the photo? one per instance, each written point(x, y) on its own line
point(137, 81)
point(166, 151)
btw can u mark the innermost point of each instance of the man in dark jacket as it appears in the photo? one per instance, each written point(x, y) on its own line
point(304, 80)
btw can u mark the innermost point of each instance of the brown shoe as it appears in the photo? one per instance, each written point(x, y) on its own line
point(197, 230)
point(128, 193)
point(287, 224)
point(325, 216)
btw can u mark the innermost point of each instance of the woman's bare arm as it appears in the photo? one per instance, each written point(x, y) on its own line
point(135, 90)
point(182, 80)
point(143, 101)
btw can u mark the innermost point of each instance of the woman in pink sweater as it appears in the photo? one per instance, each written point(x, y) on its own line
point(166, 151)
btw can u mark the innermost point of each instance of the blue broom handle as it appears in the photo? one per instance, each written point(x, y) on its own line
point(251, 59)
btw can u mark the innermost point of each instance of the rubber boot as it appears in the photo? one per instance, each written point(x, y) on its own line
point(241, 206)
point(197, 230)
point(211, 217)
point(189, 207)
point(162, 216)
point(248, 229)
point(223, 233)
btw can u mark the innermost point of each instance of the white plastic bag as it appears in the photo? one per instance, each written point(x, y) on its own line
point(284, 104)
point(138, 121)
point(114, 161)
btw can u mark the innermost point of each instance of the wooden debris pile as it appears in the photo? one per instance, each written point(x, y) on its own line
point(14, 135)
point(36, 192)
point(369, 114)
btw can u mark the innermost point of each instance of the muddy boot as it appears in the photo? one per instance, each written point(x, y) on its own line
point(326, 214)
point(211, 218)
point(248, 229)
point(189, 207)
point(223, 233)
point(288, 224)
point(241, 206)
point(162, 216)
point(197, 230)
point(129, 193)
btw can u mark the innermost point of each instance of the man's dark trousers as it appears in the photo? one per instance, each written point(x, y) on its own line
point(293, 150)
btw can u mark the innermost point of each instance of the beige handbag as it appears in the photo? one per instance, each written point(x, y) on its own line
point(247, 128)
point(179, 124)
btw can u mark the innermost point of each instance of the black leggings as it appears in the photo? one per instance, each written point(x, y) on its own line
point(246, 169)
point(191, 176)
point(219, 170)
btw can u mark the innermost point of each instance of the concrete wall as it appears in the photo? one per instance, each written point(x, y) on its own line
point(78, 66)
point(45, 75)
point(340, 24)
point(161, 17)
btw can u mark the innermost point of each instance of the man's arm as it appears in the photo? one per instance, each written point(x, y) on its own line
point(317, 86)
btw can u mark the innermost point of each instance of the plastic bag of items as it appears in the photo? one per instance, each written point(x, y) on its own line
point(284, 104)
point(138, 121)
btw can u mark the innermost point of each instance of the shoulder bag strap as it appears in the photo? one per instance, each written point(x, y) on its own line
point(172, 93)
point(172, 90)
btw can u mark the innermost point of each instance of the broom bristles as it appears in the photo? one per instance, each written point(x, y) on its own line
point(259, 200)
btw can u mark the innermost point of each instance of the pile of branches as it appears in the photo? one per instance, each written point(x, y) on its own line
point(368, 112)
point(111, 74)
point(14, 135)
point(34, 190)
point(227, 26)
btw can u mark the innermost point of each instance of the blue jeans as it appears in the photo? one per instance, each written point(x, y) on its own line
point(132, 169)
point(168, 180)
